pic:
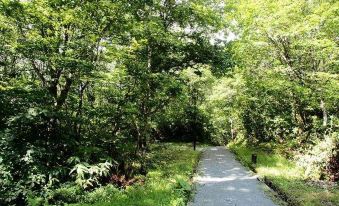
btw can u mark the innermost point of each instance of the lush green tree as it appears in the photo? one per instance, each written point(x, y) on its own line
point(84, 85)
point(287, 52)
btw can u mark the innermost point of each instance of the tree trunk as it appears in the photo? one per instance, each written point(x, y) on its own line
point(323, 108)
point(82, 88)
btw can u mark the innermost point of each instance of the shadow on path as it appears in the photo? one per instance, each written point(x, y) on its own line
point(223, 181)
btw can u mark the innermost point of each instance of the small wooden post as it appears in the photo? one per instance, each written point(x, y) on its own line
point(254, 158)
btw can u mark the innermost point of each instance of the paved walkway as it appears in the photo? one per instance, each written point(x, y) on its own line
point(223, 181)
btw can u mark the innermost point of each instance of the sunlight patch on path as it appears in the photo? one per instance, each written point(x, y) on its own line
point(224, 181)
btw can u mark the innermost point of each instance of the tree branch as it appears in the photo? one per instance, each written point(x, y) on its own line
point(38, 72)
point(64, 92)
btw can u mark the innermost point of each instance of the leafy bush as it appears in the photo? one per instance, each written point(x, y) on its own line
point(316, 159)
point(88, 176)
point(66, 194)
point(102, 194)
point(183, 186)
point(70, 193)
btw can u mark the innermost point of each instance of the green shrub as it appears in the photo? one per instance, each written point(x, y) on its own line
point(89, 175)
point(35, 201)
point(66, 194)
point(316, 159)
point(102, 194)
point(183, 186)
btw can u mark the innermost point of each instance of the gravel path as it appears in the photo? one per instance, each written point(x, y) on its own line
point(223, 181)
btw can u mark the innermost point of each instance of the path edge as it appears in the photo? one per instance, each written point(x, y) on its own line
point(195, 172)
point(280, 195)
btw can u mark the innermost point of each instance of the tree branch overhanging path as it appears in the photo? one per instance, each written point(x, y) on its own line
point(223, 181)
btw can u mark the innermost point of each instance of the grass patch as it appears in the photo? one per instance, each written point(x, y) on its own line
point(285, 177)
point(167, 183)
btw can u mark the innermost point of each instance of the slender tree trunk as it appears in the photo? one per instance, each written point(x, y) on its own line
point(232, 131)
point(78, 124)
point(323, 108)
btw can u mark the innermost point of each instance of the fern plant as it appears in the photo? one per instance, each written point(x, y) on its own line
point(89, 175)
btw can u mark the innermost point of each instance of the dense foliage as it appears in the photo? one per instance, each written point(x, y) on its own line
point(288, 52)
point(167, 183)
point(88, 86)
